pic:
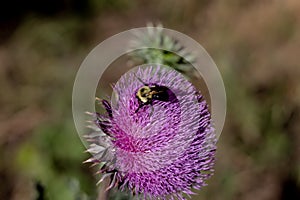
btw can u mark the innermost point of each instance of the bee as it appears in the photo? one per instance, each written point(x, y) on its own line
point(147, 93)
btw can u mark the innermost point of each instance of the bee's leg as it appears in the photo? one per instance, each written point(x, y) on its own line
point(141, 105)
point(152, 110)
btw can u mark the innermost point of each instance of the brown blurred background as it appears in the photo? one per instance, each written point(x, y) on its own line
point(255, 44)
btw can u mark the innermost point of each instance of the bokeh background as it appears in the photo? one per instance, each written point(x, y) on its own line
point(255, 44)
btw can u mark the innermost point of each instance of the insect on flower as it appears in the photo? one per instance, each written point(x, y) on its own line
point(163, 156)
point(148, 93)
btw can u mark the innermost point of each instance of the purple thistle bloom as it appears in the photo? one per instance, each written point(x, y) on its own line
point(164, 149)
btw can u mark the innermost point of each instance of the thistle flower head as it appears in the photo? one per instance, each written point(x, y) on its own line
point(161, 149)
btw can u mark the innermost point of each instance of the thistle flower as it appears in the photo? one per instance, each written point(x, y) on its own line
point(162, 151)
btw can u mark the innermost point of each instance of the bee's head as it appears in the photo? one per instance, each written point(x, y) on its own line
point(143, 93)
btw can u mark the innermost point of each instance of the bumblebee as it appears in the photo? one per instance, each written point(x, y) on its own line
point(147, 93)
